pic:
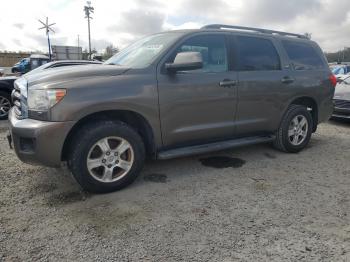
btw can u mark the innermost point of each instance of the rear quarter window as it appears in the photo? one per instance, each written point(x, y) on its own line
point(303, 55)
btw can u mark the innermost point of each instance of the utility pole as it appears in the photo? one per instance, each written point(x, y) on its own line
point(78, 49)
point(88, 9)
point(47, 28)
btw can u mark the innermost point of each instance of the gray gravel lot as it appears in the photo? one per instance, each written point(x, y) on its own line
point(268, 206)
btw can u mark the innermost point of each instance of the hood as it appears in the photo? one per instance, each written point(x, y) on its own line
point(70, 73)
point(8, 78)
point(342, 91)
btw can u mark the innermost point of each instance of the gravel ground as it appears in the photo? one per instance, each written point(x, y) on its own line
point(263, 206)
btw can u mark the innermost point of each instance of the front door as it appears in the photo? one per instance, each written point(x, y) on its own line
point(198, 106)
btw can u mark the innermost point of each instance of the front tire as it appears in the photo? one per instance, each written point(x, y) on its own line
point(106, 156)
point(295, 130)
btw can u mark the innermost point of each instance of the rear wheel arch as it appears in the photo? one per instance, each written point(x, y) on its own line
point(131, 118)
point(311, 104)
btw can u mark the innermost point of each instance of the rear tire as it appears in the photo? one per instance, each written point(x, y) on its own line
point(295, 130)
point(97, 144)
point(5, 105)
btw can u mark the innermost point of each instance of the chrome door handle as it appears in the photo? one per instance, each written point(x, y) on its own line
point(228, 83)
point(287, 80)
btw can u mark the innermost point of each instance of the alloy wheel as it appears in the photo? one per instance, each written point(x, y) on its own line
point(110, 159)
point(298, 130)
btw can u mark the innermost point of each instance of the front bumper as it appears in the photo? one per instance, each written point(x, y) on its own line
point(38, 142)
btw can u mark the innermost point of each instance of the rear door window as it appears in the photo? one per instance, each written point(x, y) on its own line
point(257, 54)
point(303, 55)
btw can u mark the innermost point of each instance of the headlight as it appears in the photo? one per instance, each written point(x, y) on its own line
point(22, 85)
point(44, 99)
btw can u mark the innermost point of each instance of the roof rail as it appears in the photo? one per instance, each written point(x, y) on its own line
point(260, 30)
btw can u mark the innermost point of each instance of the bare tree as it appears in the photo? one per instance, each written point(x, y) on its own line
point(110, 51)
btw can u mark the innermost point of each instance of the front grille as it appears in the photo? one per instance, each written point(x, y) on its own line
point(343, 104)
point(16, 100)
point(19, 102)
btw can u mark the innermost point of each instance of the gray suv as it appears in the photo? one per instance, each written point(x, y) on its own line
point(169, 95)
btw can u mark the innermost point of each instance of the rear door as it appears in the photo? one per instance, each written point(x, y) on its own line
point(310, 73)
point(198, 106)
point(263, 84)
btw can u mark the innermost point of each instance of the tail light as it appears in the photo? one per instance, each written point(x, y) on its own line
point(333, 80)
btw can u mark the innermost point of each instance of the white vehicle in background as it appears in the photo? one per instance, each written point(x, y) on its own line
point(340, 70)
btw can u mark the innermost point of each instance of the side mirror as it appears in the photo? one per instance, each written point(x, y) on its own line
point(185, 61)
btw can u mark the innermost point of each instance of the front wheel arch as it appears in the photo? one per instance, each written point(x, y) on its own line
point(133, 119)
point(79, 156)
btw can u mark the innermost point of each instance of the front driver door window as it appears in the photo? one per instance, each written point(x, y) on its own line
point(213, 52)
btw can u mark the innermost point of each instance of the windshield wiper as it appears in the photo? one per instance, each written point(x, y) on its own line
point(113, 64)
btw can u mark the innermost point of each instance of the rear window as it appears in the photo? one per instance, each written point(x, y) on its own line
point(257, 54)
point(303, 56)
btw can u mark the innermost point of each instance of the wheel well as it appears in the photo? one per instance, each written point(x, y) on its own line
point(311, 104)
point(135, 120)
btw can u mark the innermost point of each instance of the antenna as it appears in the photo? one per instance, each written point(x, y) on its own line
point(48, 28)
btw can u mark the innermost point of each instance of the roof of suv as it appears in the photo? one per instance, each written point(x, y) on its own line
point(246, 30)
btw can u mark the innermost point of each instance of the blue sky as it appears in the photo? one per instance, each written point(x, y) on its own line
point(120, 22)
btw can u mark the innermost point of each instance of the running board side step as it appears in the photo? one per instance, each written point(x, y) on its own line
point(211, 147)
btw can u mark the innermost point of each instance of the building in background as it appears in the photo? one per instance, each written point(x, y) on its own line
point(66, 52)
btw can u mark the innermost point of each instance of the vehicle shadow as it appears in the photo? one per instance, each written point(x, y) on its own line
point(340, 122)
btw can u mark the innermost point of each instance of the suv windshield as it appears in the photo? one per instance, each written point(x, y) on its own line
point(143, 52)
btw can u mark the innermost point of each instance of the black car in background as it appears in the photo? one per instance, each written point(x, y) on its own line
point(342, 98)
point(6, 83)
point(6, 87)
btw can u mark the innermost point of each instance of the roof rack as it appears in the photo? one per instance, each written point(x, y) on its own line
point(260, 30)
